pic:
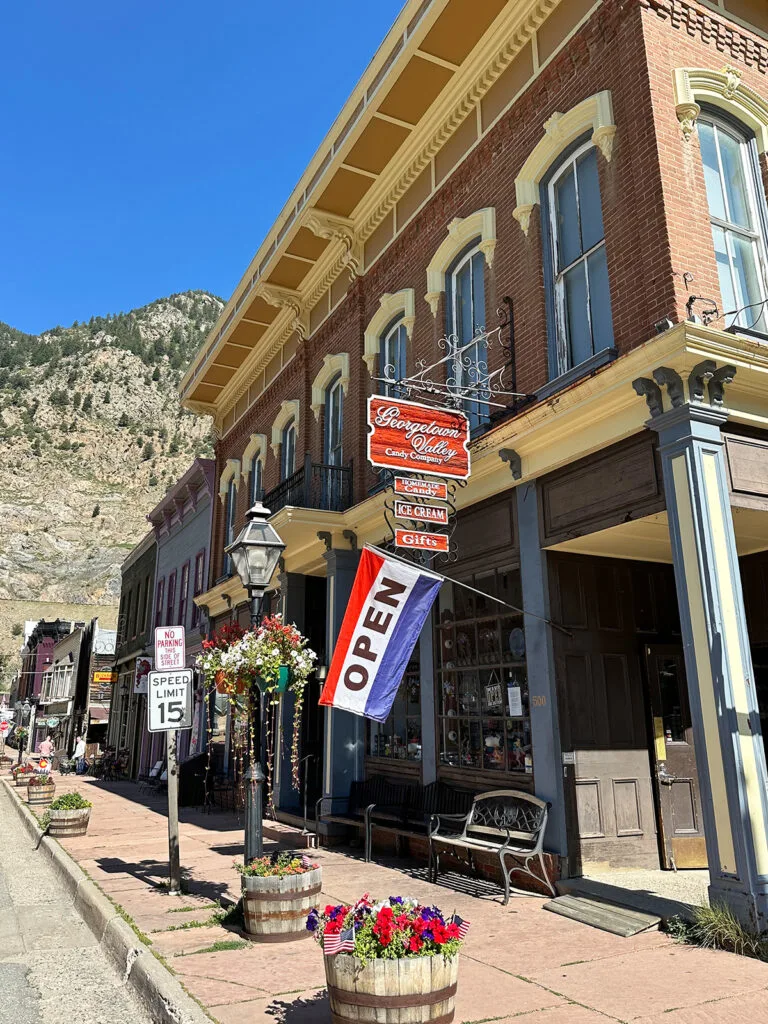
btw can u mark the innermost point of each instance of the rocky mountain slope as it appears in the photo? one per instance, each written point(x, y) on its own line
point(91, 435)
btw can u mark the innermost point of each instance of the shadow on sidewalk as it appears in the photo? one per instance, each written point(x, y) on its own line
point(215, 819)
point(154, 873)
point(307, 1010)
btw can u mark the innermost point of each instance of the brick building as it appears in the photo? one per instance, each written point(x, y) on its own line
point(597, 172)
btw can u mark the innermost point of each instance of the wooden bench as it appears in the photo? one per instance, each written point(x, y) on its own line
point(507, 822)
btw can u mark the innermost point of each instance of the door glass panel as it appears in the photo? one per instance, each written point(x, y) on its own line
point(674, 703)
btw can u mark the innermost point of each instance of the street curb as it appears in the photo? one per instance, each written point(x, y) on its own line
point(159, 992)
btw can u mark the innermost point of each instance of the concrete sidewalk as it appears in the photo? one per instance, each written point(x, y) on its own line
point(518, 960)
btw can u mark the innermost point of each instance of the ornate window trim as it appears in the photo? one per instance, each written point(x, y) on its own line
point(333, 365)
point(390, 305)
point(560, 130)
point(256, 448)
point(461, 231)
point(289, 410)
point(723, 89)
point(230, 472)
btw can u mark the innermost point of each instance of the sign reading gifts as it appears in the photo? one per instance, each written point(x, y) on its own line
point(409, 436)
point(170, 652)
point(389, 602)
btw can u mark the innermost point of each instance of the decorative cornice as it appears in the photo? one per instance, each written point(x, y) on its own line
point(287, 298)
point(723, 89)
point(713, 30)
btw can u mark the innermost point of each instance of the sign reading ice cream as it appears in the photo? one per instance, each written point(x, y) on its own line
point(408, 436)
point(170, 652)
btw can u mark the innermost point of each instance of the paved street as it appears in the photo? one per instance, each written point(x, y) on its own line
point(52, 970)
point(518, 960)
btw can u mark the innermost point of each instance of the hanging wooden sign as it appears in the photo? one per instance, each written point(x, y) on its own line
point(419, 438)
point(422, 513)
point(419, 541)
point(415, 488)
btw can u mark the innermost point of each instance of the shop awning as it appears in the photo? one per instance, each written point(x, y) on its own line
point(98, 714)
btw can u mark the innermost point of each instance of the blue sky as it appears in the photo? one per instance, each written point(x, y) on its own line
point(148, 146)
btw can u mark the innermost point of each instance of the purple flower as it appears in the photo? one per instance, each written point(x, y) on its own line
point(313, 920)
point(396, 899)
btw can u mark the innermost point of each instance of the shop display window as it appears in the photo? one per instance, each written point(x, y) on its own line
point(483, 708)
point(399, 738)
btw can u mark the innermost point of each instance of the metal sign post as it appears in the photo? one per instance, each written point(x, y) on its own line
point(169, 709)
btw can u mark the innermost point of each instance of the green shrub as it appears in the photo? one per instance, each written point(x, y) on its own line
point(69, 802)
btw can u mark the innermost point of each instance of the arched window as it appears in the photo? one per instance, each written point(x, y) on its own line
point(736, 212)
point(466, 320)
point(288, 449)
point(392, 356)
point(580, 323)
point(229, 524)
point(334, 422)
point(255, 489)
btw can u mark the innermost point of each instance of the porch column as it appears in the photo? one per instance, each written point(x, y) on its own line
point(292, 598)
point(427, 696)
point(540, 662)
point(724, 711)
point(344, 747)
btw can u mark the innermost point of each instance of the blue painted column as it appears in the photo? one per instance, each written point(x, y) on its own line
point(292, 608)
point(344, 747)
point(726, 723)
point(540, 662)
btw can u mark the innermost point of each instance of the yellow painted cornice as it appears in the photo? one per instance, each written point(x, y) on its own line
point(223, 597)
point(504, 38)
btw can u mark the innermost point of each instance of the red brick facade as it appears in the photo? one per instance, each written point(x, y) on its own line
point(654, 208)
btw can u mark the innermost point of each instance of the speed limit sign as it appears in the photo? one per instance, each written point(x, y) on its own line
point(170, 700)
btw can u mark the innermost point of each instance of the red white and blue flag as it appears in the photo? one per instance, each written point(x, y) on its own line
point(339, 942)
point(461, 924)
point(389, 602)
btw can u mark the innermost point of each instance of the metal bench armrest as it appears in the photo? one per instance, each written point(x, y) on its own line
point(436, 821)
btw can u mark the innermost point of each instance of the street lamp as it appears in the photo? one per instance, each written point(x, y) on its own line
point(255, 553)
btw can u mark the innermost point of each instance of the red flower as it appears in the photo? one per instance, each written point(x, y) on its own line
point(415, 944)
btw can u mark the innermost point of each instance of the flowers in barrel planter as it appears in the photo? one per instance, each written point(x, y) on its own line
point(277, 893)
point(396, 928)
point(278, 865)
point(273, 657)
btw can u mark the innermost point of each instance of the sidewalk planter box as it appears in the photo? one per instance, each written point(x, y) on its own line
point(66, 824)
point(275, 909)
point(406, 990)
point(40, 796)
point(21, 779)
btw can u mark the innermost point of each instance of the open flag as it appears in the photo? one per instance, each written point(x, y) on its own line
point(389, 602)
point(339, 942)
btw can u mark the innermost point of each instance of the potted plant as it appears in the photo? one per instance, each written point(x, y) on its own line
point(22, 774)
point(69, 816)
point(396, 958)
point(40, 790)
point(278, 891)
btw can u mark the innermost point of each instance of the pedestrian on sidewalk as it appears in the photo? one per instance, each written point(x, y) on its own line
point(80, 755)
point(46, 747)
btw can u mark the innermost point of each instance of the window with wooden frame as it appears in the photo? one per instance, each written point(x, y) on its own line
point(580, 322)
point(255, 486)
point(393, 349)
point(183, 594)
point(230, 513)
point(171, 600)
point(465, 284)
point(399, 738)
point(159, 602)
point(198, 585)
point(737, 213)
point(288, 450)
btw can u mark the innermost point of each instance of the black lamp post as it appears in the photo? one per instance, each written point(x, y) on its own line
point(255, 553)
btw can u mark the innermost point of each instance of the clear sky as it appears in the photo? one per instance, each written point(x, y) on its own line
point(148, 146)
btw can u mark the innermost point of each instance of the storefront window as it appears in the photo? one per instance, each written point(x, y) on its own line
point(483, 712)
point(399, 738)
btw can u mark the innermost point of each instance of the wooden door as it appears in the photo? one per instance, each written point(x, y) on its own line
point(676, 780)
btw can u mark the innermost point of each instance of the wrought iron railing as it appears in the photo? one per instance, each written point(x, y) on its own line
point(316, 485)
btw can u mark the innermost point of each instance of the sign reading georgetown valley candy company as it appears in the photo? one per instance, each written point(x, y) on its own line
point(409, 436)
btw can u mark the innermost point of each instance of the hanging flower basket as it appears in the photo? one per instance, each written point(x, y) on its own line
point(284, 678)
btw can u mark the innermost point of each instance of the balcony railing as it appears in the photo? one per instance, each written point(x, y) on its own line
point(315, 485)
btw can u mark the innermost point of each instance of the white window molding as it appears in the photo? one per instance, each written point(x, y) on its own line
point(461, 231)
point(723, 89)
point(255, 449)
point(289, 410)
point(390, 305)
point(230, 472)
point(560, 130)
point(332, 366)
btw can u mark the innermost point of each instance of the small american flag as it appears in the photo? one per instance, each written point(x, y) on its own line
point(340, 942)
point(462, 925)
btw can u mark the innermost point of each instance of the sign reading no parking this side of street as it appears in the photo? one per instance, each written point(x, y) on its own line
point(170, 652)
point(170, 700)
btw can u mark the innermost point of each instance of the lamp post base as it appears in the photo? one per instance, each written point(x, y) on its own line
point(254, 835)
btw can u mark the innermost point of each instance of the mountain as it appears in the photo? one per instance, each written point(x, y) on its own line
point(91, 436)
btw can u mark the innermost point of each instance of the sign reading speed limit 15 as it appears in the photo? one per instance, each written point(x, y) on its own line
point(170, 700)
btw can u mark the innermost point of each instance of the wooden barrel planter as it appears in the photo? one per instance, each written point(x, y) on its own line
point(40, 796)
point(417, 989)
point(66, 824)
point(22, 780)
point(275, 909)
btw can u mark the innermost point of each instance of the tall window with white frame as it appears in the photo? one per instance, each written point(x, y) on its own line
point(255, 488)
point(580, 320)
point(392, 357)
point(466, 320)
point(288, 450)
point(333, 455)
point(229, 525)
point(737, 213)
